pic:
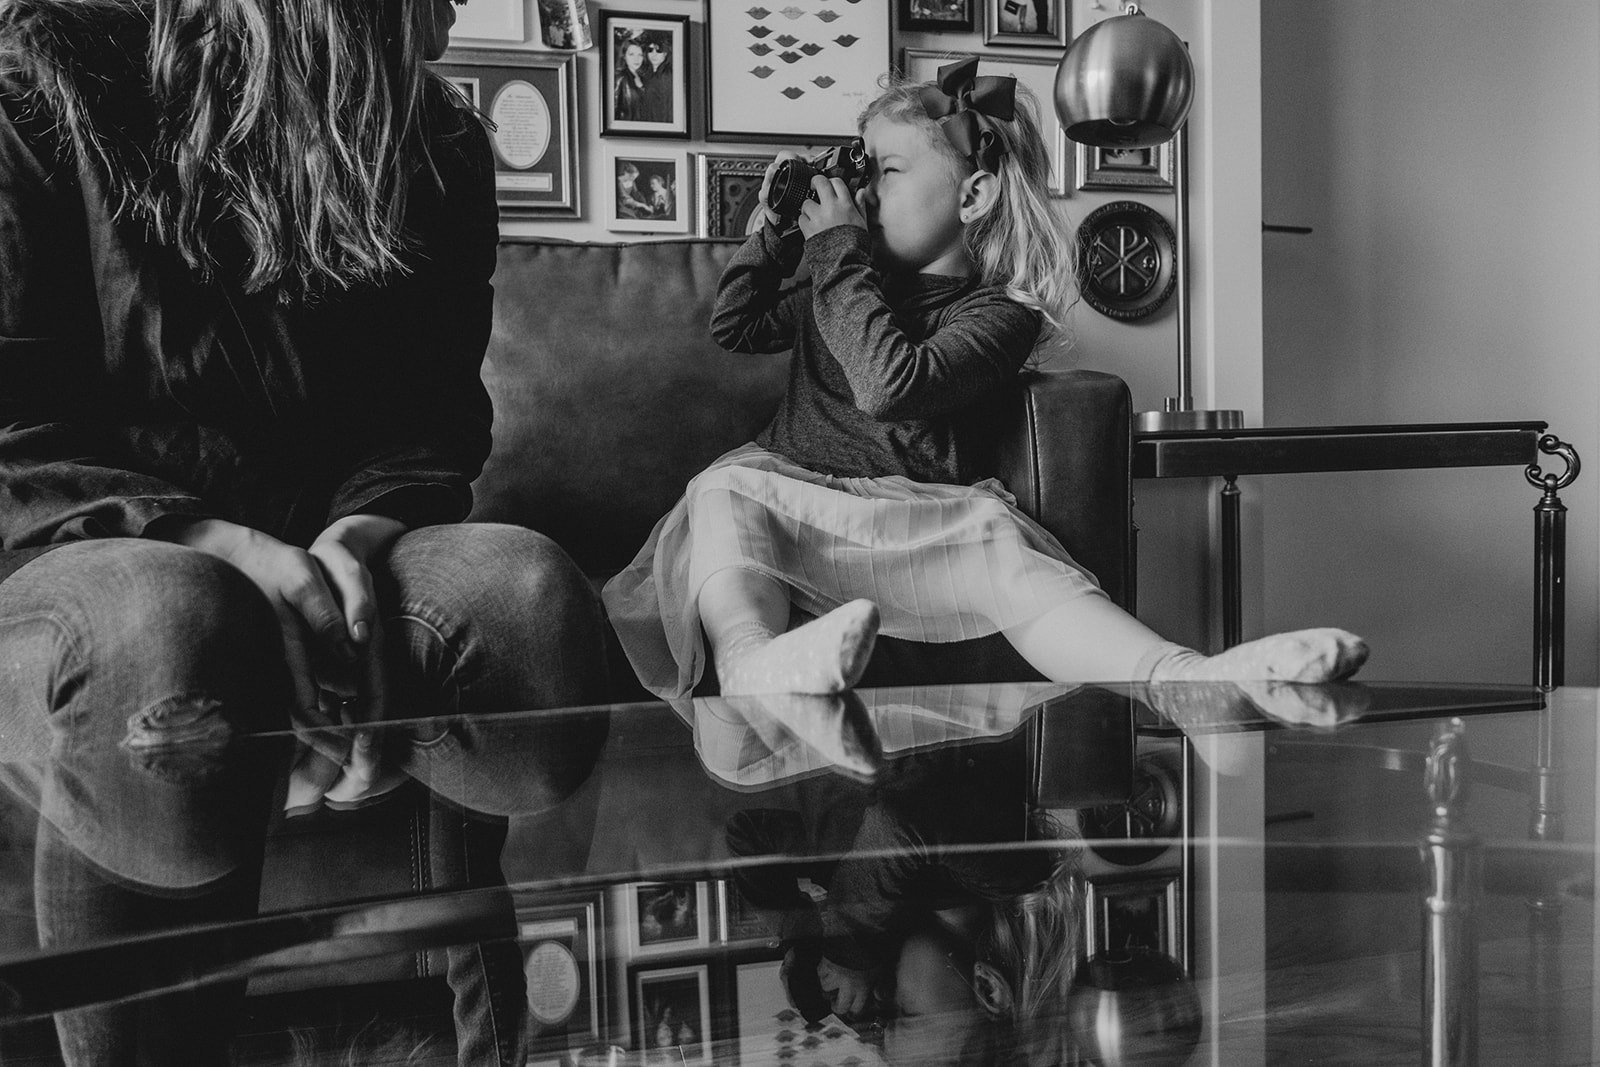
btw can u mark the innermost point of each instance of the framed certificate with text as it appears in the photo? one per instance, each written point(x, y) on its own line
point(531, 101)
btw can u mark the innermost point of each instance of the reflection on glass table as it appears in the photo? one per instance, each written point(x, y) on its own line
point(1003, 874)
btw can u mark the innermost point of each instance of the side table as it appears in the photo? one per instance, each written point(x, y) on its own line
point(1313, 449)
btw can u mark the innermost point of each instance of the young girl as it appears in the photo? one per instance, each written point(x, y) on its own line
point(860, 502)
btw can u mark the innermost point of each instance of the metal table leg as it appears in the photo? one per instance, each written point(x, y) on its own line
point(1232, 568)
point(1550, 564)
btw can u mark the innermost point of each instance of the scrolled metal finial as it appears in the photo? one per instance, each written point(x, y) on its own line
point(1447, 757)
point(1551, 445)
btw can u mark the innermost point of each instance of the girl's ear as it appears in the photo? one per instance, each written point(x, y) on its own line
point(991, 989)
point(979, 191)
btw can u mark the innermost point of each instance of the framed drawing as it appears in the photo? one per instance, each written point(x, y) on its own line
point(1125, 168)
point(666, 917)
point(532, 100)
point(1133, 914)
point(730, 192)
point(1036, 73)
point(941, 16)
point(648, 191)
point(561, 960)
point(792, 75)
point(670, 1009)
point(644, 75)
point(490, 20)
point(1027, 23)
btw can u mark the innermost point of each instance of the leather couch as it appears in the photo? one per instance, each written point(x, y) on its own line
point(609, 396)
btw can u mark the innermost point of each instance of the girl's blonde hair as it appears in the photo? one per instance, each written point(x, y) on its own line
point(1020, 241)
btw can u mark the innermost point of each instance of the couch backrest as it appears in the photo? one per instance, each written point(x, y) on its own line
point(609, 393)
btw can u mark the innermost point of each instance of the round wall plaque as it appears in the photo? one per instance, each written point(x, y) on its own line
point(1126, 259)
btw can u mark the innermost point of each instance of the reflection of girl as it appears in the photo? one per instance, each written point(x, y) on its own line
point(916, 866)
point(658, 83)
point(631, 105)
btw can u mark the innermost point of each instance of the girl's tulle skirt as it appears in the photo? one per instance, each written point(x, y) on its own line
point(942, 562)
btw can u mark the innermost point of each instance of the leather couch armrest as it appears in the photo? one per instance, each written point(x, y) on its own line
point(1067, 457)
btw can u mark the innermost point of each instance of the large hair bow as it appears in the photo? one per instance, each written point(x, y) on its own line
point(965, 105)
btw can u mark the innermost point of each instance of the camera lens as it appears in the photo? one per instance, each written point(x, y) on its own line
point(791, 184)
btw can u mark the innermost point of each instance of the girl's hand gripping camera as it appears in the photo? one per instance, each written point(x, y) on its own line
point(791, 182)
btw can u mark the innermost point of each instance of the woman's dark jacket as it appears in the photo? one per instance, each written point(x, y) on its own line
point(130, 389)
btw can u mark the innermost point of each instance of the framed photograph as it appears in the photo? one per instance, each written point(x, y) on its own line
point(671, 1010)
point(490, 20)
point(532, 99)
point(1134, 913)
point(1125, 168)
point(644, 75)
point(649, 191)
point(730, 192)
point(1036, 73)
point(667, 917)
point(947, 16)
point(792, 74)
point(1026, 23)
point(564, 24)
point(561, 960)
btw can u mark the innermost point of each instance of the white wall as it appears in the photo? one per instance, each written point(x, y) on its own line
point(1448, 158)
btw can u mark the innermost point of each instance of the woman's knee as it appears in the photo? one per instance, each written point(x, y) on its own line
point(148, 596)
point(478, 568)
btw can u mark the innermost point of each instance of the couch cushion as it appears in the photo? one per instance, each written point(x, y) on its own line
point(609, 393)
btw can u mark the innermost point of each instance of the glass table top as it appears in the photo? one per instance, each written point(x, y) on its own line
point(1008, 874)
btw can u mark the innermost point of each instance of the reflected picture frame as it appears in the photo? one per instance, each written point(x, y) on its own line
point(562, 958)
point(1037, 73)
point(1148, 169)
point(657, 104)
point(1026, 23)
point(635, 203)
point(666, 918)
point(730, 192)
point(1140, 912)
point(935, 16)
point(685, 990)
point(531, 98)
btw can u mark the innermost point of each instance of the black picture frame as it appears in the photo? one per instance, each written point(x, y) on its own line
point(655, 101)
point(532, 98)
point(1026, 23)
point(937, 16)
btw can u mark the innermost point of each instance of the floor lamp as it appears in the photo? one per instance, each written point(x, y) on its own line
point(1127, 82)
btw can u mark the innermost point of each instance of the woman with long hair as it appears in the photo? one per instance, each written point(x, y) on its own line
point(246, 249)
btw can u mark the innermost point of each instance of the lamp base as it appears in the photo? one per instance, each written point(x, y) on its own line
point(1188, 419)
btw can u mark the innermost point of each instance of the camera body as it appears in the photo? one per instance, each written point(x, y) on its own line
point(791, 182)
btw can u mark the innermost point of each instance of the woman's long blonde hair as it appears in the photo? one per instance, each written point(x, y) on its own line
point(1021, 241)
point(285, 132)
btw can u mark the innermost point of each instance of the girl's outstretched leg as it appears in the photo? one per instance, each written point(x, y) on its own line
point(745, 613)
point(1090, 639)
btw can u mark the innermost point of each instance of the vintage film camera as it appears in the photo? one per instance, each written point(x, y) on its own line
point(791, 182)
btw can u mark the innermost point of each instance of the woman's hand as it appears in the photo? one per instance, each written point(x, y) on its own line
point(849, 991)
point(317, 643)
point(835, 206)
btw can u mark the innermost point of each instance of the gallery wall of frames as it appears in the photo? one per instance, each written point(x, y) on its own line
point(647, 118)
